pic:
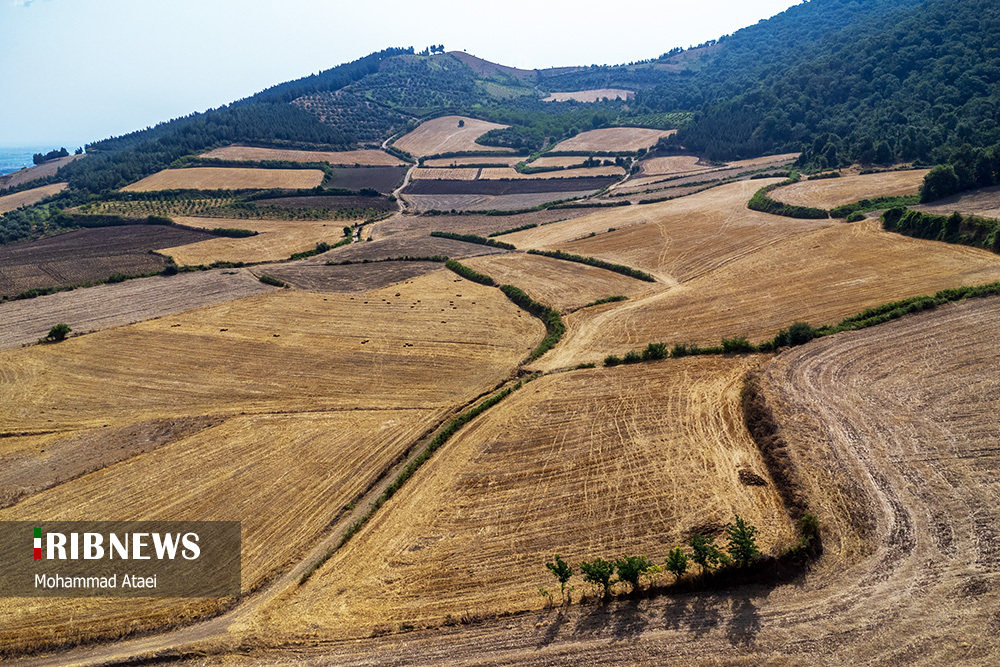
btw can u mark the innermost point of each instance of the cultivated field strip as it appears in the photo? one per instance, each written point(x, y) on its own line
point(586, 464)
point(831, 192)
point(557, 283)
point(444, 135)
point(227, 178)
point(819, 277)
point(114, 305)
point(412, 227)
point(418, 344)
point(366, 158)
point(495, 173)
point(446, 174)
point(28, 197)
point(591, 95)
point(277, 239)
point(445, 162)
point(984, 202)
point(48, 168)
point(456, 202)
point(613, 139)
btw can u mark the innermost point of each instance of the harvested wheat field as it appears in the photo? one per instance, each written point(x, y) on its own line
point(349, 278)
point(557, 283)
point(984, 202)
point(443, 135)
point(613, 139)
point(896, 449)
point(572, 464)
point(591, 95)
point(292, 374)
point(412, 226)
point(493, 160)
point(228, 178)
point(831, 192)
point(558, 161)
point(486, 202)
point(29, 197)
point(446, 174)
point(674, 165)
point(365, 158)
point(28, 174)
point(818, 277)
point(493, 173)
point(117, 304)
point(277, 239)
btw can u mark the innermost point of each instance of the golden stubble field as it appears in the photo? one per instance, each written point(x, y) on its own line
point(317, 394)
point(510, 173)
point(831, 192)
point(585, 464)
point(613, 139)
point(365, 158)
point(28, 197)
point(591, 95)
point(277, 239)
point(443, 135)
point(227, 178)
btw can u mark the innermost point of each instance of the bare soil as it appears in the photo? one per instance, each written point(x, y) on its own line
point(88, 254)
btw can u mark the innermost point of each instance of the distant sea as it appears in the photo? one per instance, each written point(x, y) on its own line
point(12, 159)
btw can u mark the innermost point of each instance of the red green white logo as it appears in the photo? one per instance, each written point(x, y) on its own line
point(38, 543)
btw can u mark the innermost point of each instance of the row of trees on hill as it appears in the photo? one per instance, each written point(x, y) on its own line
point(39, 158)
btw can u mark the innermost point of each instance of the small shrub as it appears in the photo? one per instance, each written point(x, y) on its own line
point(612, 360)
point(739, 345)
point(58, 333)
point(630, 568)
point(677, 562)
point(655, 351)
point(268, 280)
point(705, 553)
point(742, 538)
point(117, 278)
point(857, 216)
point(598, 572)
point(561, 570)
point(632, 357)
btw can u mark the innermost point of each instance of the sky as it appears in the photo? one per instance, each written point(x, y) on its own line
point(76, 71)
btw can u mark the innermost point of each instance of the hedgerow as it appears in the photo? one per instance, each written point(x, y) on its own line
point(599, 263)
point(473, 238)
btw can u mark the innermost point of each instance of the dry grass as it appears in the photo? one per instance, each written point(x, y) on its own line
point(365, 158)
point(34, 173)
point(448, 202)
point(572, 464)
point(591, 95)
point(565, 161)
point(613, 139)
point(494, 173)
point(831, 192)
point(557, 283)
point(447, 174)
point(984, 202)
point(114, 305)
point(29, 197)
point(228, 178)
point(674, 164)
point(443, 135)
point(318, 392)
point(277, 239)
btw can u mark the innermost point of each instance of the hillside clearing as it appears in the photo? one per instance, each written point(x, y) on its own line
point(591, 95)
point(227, 178)
point(44, 170)
point(29, 197)
point(831, 192)
point(447, 174)
point(443, 135)
point(571, 464)
point(368, 158)
point(613, 139)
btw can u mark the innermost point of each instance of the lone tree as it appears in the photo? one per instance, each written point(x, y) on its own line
point(742, 542)
point(561, 571)
point(630, 568)
point(677, 562)
point(705, 553)
point(598, 573)
point(58, 333)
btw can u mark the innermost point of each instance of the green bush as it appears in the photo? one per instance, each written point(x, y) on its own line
point(857, 216)
point(58, 333)
point(630, 568)
point(598, 572)
point(470, 274)
point(599, 263)
point(612, 360)
point(655, 351)
point(472, 238)
point(554, 326)
point(742, 538)
point(268, 280)
point(739, 345)
point(761, 201)
point(677, 562)
point(233, 233)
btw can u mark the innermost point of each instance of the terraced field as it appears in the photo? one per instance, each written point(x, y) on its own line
point(401, 356)
point(227, 178)
point(570, 464)
point(831, 192)
point(367, 158)
point(277, 239)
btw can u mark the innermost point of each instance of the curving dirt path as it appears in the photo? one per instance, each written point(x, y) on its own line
point(896, 436)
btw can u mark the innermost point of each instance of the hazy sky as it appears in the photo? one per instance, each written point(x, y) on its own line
point(74, 71)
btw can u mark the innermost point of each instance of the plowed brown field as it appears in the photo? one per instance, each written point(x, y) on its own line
point(506, 172)
point(443, 135)
point(366, 158)
point(591, 463)
point(831, 192)
point(227, 178)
